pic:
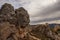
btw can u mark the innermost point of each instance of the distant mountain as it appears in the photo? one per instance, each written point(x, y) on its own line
point(53, 25)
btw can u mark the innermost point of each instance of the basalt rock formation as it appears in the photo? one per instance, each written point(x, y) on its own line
point(14, 25)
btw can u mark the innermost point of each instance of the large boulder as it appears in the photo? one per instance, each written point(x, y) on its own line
point(22, 17)
point(7, 13)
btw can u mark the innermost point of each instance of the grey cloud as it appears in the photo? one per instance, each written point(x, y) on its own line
point(48, 10)
point(46, 20)
point(15, 3)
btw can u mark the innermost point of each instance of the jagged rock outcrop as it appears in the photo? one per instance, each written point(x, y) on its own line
point(7, 13)
point(22, 17)
point(13, 23)
point(44, 32)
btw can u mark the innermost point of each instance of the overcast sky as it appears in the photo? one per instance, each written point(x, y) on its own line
point(40, 11)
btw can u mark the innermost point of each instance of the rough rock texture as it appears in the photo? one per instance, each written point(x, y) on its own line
point(7, 30)
point(14, 25)
point(7, 13)
point(44, 32)
point(22, 17)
